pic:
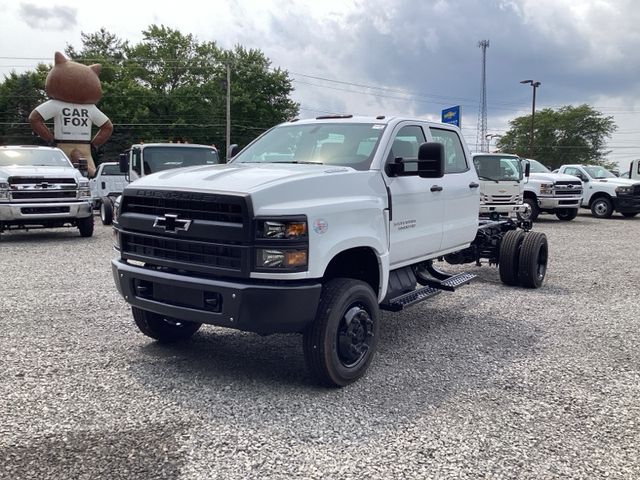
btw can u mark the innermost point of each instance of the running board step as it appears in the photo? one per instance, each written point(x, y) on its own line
point(411, 298)
point(450, 284)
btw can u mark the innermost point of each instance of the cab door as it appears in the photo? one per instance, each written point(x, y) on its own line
point(416, 203)
point(460, 191)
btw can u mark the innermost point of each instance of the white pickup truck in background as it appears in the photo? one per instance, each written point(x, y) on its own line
point(605, 193)
point(547, 192)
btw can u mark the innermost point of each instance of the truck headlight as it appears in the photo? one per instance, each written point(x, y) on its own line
point(546, 188)
point(116, 208)
point(294, 259)
point(282, 229)
point(84, 189)
point(4, 191)
point(627, 190)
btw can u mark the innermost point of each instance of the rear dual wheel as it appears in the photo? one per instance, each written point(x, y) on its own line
point(523, 258)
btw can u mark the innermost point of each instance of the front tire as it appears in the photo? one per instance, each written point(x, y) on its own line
point(106, 211)
point(162, 328)
point(602, 207)
point(340, 344)
point(510, 256)
point(85, 226)
point(534, 255)
point(534, 210)
point(567, 214)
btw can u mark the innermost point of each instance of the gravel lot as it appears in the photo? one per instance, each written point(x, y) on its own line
point(489, 382)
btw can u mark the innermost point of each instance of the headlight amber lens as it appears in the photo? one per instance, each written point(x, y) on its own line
point(281, 258)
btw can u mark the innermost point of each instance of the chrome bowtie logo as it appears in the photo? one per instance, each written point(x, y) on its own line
point(171, 223)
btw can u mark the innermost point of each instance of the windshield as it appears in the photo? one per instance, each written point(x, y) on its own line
point(599, 172)
point(498, 168)
point(537, 167)
point(33, 158)
point(156, 159)
point(347, 145)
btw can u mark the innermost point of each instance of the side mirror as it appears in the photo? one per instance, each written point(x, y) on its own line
point(527, 170)
point(232, 150)
point(431, 160)
point(583, 178)
point(123, 161)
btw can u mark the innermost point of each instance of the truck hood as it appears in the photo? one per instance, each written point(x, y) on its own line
point(553, 177)
point(618, 182)
point(29, 171)
point(236, 178)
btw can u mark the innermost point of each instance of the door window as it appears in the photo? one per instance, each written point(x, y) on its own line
point(454, 159)
point(406, 145)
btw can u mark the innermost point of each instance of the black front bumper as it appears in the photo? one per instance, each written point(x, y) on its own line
point(254, 307)
point(627, 204)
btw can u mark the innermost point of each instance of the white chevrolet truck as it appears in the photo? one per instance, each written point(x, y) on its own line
point(312, 228)
point(547, 192)
point(40, 188)
point(605, 193)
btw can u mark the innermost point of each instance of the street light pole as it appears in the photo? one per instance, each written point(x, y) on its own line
point(535, 85)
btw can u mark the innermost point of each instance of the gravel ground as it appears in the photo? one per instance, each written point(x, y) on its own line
point(489, 382)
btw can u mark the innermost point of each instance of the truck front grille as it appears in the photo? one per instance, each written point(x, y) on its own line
point(568, 187)
point(187, 231)
point(502, 199)
point(40, 195)
point(42, 189)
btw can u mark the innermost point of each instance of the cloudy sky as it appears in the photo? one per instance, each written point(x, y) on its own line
point(405, 57)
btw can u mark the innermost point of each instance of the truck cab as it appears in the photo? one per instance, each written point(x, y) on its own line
point(604, 193)
point(144, 159)
point(501, 184)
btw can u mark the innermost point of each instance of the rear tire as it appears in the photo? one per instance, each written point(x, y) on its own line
point(85, 226)
point(534, 255)
point(510, 256)
point(567, 214)
point(340, 344)
point(534, 210)
point(106, 211)
point(629, 214)
point(602, 207)
point(162, 328)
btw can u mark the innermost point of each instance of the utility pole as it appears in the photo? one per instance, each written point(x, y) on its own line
point(481, 139)
point(535, 85)
point(228, 139)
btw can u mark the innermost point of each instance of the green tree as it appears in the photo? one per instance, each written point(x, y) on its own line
point(566, 135)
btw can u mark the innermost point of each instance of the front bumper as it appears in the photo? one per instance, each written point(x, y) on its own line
point(32, 212)
point(626, 204)
point(553, 203)
point(283, 307)
point(509, 209)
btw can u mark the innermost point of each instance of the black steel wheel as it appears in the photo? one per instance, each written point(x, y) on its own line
point(106, 211)
point(162, 328)
point(602, 207)
point(509, 258)
point(534, 254)
point(567, 214)
point(340, 344)
point(85, 226)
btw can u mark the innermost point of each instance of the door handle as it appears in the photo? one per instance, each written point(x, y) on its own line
point(103, 185)
point(436, 188)
point(474, 185)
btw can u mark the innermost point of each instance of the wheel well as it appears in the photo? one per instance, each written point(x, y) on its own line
point(528, 194)
point(360, 263)
point(597, 196)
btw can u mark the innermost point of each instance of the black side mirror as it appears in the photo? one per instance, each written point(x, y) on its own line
point(527, 170)
point(583, 178)
point(232, 150)
point(431, 160)
point(123, 161)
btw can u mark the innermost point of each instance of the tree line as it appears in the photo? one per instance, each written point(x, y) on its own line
point(167, 87)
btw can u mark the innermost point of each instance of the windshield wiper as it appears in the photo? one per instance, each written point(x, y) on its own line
point(298, 161)
point(481, 177)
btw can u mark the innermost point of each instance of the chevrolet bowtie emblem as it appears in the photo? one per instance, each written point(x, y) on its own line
point(171, 223)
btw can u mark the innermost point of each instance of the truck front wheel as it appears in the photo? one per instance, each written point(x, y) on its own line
point(106, 211)
point(534, 254)
point(85, 226)
point(162, 328)
point(533, 212)
point(339, 345)
point(567, 214)
point(602, 208)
